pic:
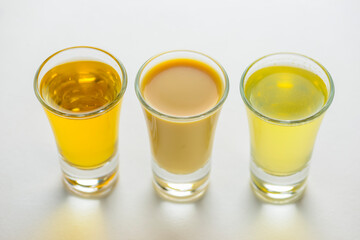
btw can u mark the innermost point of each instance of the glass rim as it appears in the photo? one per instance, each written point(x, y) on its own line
point(181, 118)
point(328, 102)
point(95, 112)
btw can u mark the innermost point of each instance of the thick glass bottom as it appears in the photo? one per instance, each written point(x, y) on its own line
point(91, 183)
point(278, 189)
point(181, 187)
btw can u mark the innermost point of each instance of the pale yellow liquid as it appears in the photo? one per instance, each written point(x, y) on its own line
point(284, 93)
point(83, 87)
point(181, 87)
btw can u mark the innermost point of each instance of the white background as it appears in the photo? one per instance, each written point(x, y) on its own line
point(35, 205)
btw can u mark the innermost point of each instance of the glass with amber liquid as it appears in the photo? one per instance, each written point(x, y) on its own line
point(81, 90)
point(286, 95)
point(181, 93)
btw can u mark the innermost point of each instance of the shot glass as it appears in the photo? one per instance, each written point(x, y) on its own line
point(286, 96)
point(81, 90)
point(181, 143)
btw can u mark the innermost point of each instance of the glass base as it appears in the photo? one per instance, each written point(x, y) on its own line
point(181, 187)
point(278, 189)
point(96, 182)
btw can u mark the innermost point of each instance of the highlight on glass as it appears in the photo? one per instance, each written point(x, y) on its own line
point(81, 90)
point(181, 93)
point(286, 96)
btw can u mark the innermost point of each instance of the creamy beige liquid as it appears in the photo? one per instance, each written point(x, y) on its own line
point(181, 87)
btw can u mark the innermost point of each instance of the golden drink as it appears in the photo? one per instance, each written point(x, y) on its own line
point(284, 93)
point(82, 87)
point(286, 96)
point(181, 93)
point(82, 100)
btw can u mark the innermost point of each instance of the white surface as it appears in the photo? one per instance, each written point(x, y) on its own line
point(33, 202)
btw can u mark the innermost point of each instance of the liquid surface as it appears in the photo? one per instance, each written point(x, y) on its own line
point(82, 87)
point(284, 93)
point(182, 87)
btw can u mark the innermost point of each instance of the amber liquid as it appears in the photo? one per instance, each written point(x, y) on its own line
point(83, 87)
point(181, 88)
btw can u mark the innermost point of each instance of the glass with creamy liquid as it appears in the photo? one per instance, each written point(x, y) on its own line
point(181, 93)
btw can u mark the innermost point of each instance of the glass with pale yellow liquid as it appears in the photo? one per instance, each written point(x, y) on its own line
point(81, 90)
point(181, 93)
point(286, 96)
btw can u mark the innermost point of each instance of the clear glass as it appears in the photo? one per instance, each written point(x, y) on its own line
point(281, 149)
point(181, 146)
point(87, 141)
